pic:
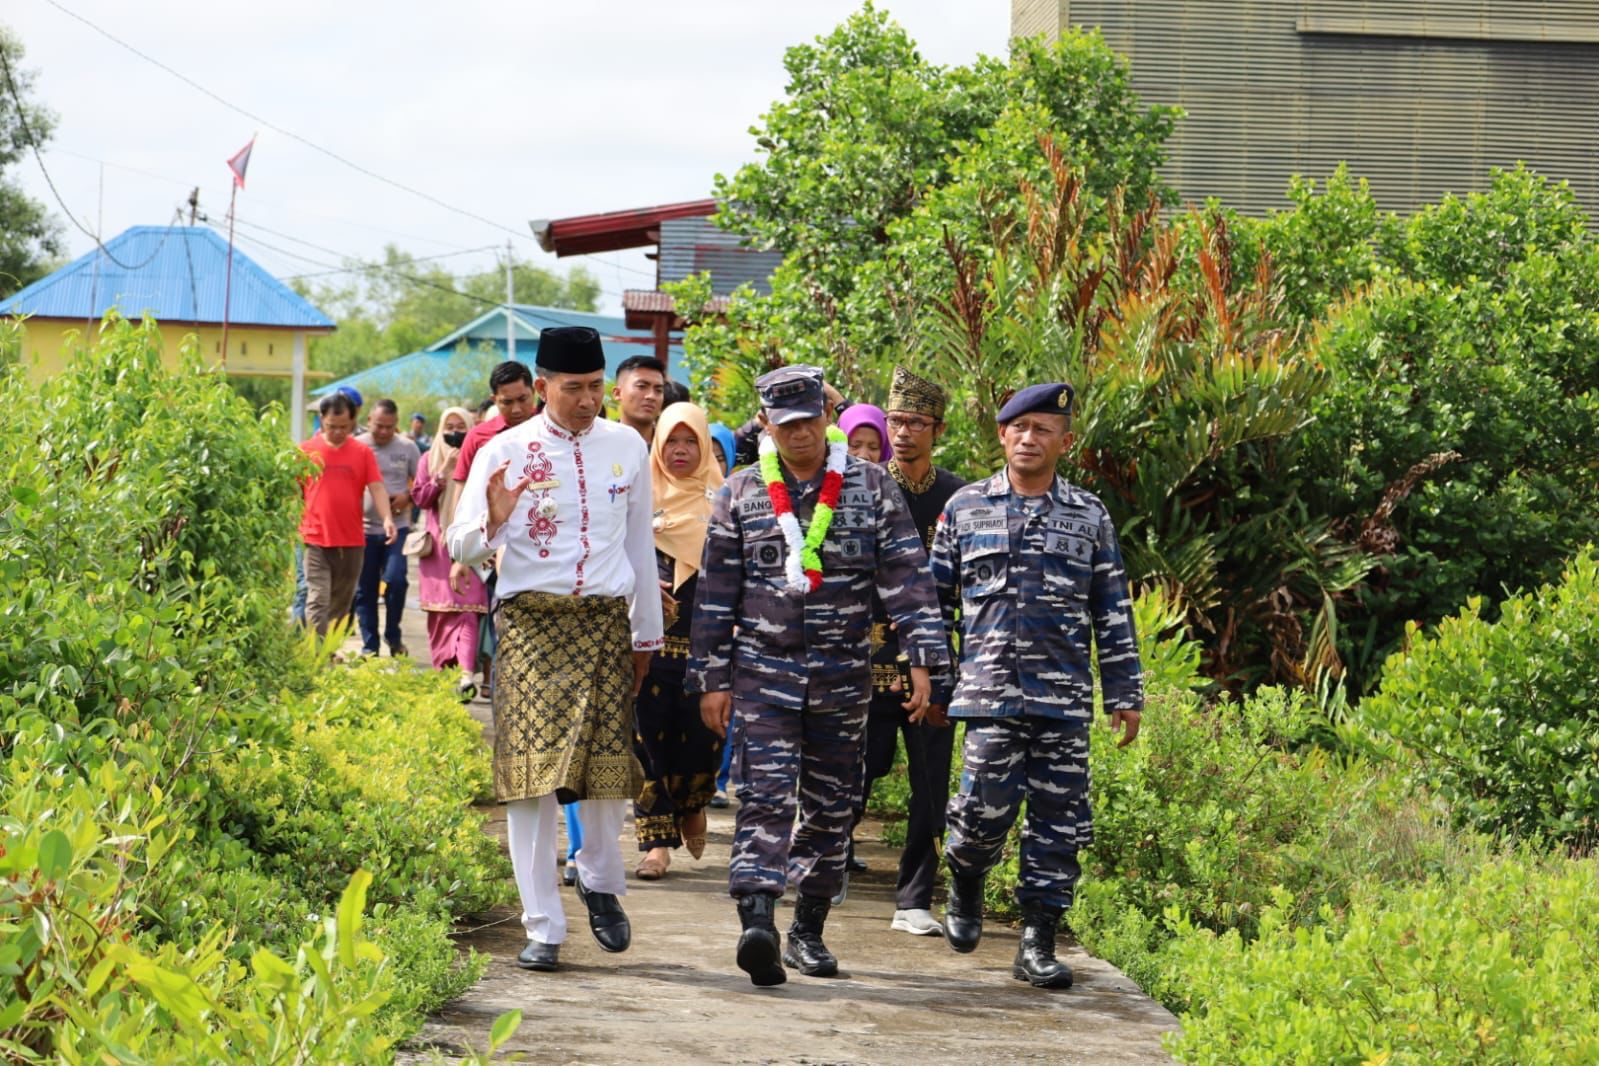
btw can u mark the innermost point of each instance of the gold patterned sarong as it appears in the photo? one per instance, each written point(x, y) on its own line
point(563, 704)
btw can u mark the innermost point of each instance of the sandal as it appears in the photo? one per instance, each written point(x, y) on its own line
point(650, 869)
point(694, 842)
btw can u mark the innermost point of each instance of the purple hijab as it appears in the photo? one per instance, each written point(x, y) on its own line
point(864, 414)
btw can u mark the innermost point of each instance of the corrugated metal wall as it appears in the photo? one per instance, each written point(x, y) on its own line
point(1029, 18)
point(690, 245)
point(1422, 97)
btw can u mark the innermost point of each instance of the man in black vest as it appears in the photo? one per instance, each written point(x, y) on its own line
point(915, 412)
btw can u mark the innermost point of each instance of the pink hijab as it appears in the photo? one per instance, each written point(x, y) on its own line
point(865, 414)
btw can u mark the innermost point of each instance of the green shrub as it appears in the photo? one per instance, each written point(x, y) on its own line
point(380, 768)
point(1216, 811)
point(1460, 433)
point(1499, 717)
point(1220, 811)
point(186, 794)
point(1494, 967)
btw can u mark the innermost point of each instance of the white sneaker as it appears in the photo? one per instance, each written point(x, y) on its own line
point(917, 922)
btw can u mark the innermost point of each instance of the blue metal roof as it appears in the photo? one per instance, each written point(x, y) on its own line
point(179, 275)
point(428, 370)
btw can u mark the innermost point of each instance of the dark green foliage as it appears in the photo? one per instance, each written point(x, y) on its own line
point(184, 787)
point(29, 238)
point(1459, 435)
point(871, 153)
point(1499, 717)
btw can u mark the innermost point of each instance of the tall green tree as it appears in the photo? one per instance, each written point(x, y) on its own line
point(30, 239)
point(870, 135)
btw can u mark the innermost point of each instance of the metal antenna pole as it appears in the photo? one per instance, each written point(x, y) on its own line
point(510, 299)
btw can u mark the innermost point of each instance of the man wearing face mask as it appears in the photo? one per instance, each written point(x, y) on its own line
point(567, 498)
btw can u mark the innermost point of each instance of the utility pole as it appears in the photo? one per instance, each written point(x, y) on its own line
point(194, 204)
point(510, 300)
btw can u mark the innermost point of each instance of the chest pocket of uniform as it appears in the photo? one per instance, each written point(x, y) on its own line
point(850, 549)
point(985, 567)
point(1068, 566)
point(764, 552)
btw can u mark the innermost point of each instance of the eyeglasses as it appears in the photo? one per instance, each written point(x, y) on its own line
point(915, 425)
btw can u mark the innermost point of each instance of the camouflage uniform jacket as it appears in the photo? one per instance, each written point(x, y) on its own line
point(755, 638)
point(1036, 589)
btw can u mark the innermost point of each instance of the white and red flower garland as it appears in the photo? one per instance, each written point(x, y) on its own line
point(803, 563)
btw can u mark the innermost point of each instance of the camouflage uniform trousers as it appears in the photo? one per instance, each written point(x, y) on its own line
point(1007, 760)
point(786, 762)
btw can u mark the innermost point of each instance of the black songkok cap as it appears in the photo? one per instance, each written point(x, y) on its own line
point(569, 350)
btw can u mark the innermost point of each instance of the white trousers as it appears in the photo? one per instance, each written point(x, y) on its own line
point(532, 840)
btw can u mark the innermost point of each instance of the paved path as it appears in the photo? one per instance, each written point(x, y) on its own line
point(677, 997)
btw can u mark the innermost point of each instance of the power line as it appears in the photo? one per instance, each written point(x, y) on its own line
point(33, 144)
point(56, 149)
point(108, 35)
point(368, 265)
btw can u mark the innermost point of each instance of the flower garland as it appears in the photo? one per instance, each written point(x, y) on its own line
point(804, 561)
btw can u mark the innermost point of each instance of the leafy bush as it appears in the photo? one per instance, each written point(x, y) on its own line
point(375, 775)
point(148, 899)
point(1458, 438)
point(1491, 968)
point(1499, 717)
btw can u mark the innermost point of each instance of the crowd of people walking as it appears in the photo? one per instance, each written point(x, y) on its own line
point(661, 609)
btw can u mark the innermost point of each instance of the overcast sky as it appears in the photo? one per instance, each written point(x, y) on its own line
point(511, 111)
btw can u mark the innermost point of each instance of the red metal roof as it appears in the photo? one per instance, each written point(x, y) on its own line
point(641, 307)
point(614, 230)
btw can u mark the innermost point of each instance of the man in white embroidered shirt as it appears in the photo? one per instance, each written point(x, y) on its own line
point(567, 496)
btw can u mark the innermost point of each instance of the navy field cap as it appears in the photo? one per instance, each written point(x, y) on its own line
point(791, 393)
point(1053, 399)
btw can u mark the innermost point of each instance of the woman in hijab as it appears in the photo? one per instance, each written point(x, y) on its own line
point(452, 611)
point(680, 755)
point(723, 447)
point(866, 429)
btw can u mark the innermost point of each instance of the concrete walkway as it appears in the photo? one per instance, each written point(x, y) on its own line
point(676, 995)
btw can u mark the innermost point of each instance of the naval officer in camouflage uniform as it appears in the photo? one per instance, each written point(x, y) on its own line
point(1032, 563)
point(791, 668)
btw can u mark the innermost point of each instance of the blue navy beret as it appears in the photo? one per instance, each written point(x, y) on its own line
point(351, 393)
point(1054, 399)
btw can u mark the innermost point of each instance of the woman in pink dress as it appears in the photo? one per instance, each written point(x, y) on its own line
point(452, 611)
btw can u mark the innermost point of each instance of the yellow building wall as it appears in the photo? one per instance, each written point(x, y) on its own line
point(252, 351)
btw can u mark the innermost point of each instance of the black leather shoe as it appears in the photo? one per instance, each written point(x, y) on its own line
point(1035, 955)
point(569, 873)
point(963, 915)
point(606, 920)
point(758, 952)
point(856, 865)
point(541, 957)
point(806, 952)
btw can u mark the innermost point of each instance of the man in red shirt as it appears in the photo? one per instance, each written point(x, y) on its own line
point(332, 524)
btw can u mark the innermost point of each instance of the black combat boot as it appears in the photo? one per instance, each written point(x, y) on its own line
point(806, 952)
point(758, 945)
point(963, 915)
point(1035, 955)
